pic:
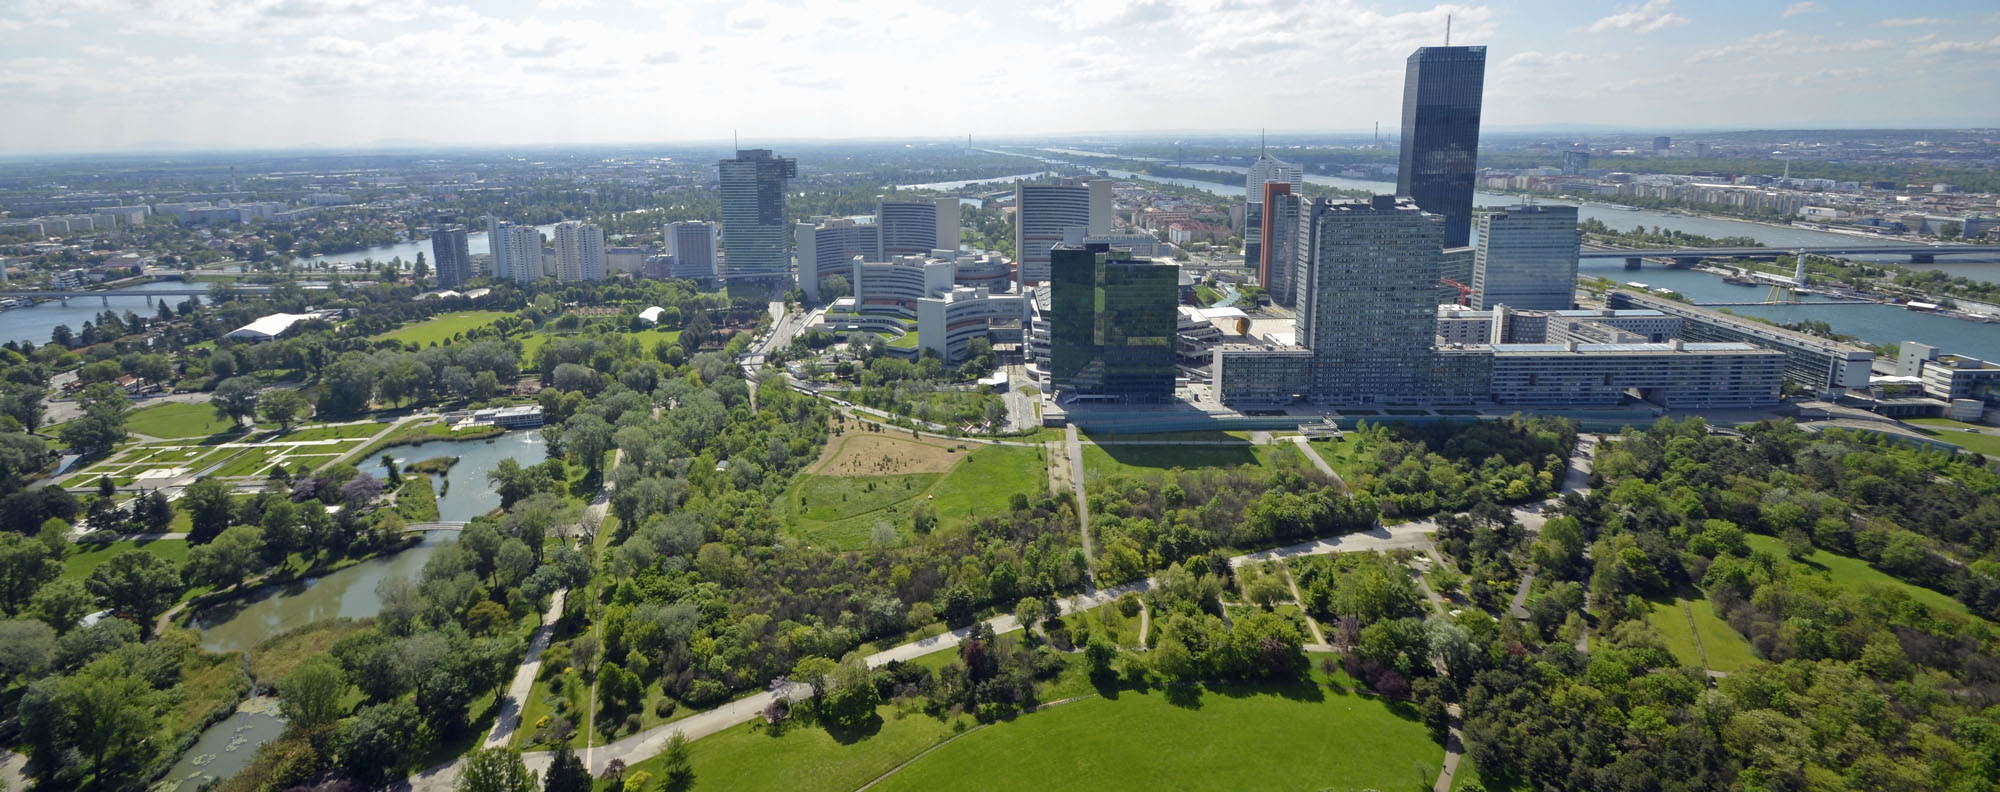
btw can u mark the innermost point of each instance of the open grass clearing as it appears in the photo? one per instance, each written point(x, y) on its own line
point(441, 328)
point(89, 556)
point(1265, 737)
point(843, 511)
point(1106, 460)
point(885, 453)
point(1856, 574)
point(1727, 650)
point(1948, 431)
point(176, 420)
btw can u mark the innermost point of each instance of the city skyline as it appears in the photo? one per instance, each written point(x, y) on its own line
point(111, 74)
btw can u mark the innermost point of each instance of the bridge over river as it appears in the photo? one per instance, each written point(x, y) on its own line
point(1687, 257)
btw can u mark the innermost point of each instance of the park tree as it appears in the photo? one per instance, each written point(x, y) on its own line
point(226, 562)
point(281, 407)
point(235, 399)
point(495, 770)
point(26, 647)
point(137, 584)
point(380, 740)
point(25, 564)
point(314, 693)
point(103, 713)
point(24, 404)
point(566, 772)
point(62, 604)
point(210, 506)
point(102, 424)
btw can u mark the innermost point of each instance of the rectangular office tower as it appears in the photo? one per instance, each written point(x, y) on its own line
point(1044, 212)
point(1367, 304)
point(1277, 264)
point(450, 257)
point(692, 244)
point(579, 251)
point(1112, 321)
point(1442, 89)
point(1265, 171)
point(916, 227)
point(756, 239)
point(1526, 258)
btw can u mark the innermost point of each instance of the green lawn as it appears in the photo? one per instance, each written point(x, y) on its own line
point(987, 479)
point(646, 338)
point(1727, 649)
point(1105, 460)
point(176, 420)
point(88, 557)
point(841, 511)
point(1856, 574)
point(441, 328)
point(1950, 431)
point(1344, 456)
point(1264, 737)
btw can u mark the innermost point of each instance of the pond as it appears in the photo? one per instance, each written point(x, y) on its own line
point(470, 494)
point(227, 747)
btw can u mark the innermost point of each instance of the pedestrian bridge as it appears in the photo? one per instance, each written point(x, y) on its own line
point(434, 526)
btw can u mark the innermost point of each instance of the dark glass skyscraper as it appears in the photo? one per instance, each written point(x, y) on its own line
point(449, 257)
point(1112, 323)
point(756, 239)
point(1441, 96)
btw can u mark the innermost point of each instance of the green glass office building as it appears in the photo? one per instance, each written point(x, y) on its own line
point(1112, 321)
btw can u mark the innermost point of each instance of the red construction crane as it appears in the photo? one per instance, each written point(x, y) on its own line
point(1464, 291)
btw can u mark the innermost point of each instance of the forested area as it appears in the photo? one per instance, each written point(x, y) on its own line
point(1861, 686)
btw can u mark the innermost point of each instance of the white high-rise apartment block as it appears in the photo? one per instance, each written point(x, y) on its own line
point(579, 251)
point(1526, 258)
point(1043, 214)
point(517, 252)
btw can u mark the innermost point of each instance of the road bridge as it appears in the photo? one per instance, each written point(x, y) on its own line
point(66, 294)
point(1686, 256)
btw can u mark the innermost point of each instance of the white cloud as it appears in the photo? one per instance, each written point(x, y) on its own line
point(1912, 21)
point(662, 57)
point(1541, 60)
point(1780, 44)
point(1653, 16)
point(1099, 14)
point(1806, 7)
point(557, 5)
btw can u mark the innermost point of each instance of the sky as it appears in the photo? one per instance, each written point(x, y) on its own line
point(81, 75)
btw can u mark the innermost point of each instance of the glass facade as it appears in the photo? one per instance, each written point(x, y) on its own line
point(755, 234)
point(450, 258)
point(1526, 258)
point(1442, 90)
point(1112, 323)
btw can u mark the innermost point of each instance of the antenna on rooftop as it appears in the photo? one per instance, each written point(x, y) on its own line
point(1260, 141)
point(1447, 30)
point(735, 142)
point(1378, 134)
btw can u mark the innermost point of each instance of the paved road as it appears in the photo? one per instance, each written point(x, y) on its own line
point(1312, 454)
point(1075, 452)
point(524, 678)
